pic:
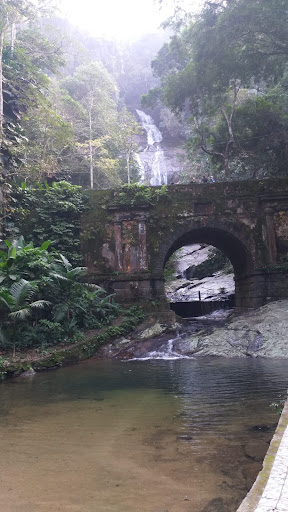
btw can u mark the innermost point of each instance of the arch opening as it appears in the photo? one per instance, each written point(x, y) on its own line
point(203, 266)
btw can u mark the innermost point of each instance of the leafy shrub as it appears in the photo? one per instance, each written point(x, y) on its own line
point(49, 333)
point(48, 213)
point(55, 305)
point(140, 194)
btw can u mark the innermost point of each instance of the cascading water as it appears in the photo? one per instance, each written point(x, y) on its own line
point(152, 158)
point(166, 351)
point(141, 168)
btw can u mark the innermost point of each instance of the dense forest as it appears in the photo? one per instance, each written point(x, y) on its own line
point(68, 99)
point(218, 85)
point(225, 74)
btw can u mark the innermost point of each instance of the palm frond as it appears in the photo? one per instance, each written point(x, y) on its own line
point(40, 304)
point(65, 261)
point(92, 287)
point(62, 277)
point(22, 291)
point(77, 271)
point(21, 314)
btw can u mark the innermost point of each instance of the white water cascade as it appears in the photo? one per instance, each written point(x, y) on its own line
point(152, 158)
point(166, 352)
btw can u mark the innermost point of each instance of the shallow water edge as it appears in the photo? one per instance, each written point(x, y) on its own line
point(145, 435)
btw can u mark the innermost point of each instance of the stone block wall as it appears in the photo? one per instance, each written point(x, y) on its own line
point(126, 238)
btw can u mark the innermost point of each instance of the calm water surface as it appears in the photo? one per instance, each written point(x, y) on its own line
point(139, 436)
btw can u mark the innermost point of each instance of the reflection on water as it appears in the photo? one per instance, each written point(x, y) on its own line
point(149, 436)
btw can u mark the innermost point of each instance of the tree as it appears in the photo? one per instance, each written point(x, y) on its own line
point(232, 47)
point(94, 89)
point(104, 136)
point(127, 127)
point(261, 137)
point(24, 53)
point(48, 140)
point(48, 213)
point(17, 306)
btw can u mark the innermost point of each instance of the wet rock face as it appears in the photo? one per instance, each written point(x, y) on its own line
point(261, 333)
point(131, 349)
point(186, 288)
point(28, 373)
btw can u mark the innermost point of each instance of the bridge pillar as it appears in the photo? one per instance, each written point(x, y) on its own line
point(250, 291)
point(271, 235)
point(258, 288)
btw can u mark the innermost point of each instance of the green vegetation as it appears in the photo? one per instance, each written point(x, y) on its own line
point(219, 84)
point(66, 115)
point(59, 119)
point(47, 213)
point(139, 195)
point(278, 406)
point(62, 355)
point(224, 74)
point(169, 269)
point(47, 302)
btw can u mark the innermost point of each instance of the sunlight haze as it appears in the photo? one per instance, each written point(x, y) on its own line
point(118, 20)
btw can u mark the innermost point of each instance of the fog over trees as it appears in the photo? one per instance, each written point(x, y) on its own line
point(217, 86)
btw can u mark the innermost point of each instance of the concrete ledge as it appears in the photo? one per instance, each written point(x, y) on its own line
point(270, 490)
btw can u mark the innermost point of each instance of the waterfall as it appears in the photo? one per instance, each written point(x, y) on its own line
point(153, 134)
point(141, 168)
point(152, 158)
point(159, 172)
point(166, 352)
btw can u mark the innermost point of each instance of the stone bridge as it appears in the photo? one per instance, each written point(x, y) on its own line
point(127, 237)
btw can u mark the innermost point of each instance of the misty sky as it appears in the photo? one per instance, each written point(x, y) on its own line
point(120, 19)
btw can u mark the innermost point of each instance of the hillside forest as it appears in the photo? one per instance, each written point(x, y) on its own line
point(215, 83)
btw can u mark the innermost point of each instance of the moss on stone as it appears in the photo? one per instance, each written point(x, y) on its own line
point(73, 354)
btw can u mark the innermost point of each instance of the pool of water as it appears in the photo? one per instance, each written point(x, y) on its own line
point(137, 436)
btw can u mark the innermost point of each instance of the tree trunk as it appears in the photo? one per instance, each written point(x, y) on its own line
point(13, 38)
point(3, 27)
point(91, 149)
point(1, 89)
point(128, 167)
point(226, 166)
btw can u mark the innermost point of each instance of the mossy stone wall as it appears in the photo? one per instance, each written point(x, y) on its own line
point(127, 236)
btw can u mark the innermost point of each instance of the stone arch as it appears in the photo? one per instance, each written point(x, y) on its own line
point(234, 242)
point(238, 248)
point(230, 245)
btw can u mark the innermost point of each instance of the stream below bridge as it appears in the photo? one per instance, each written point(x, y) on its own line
point(184, 435)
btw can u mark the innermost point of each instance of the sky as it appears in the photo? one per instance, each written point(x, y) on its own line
point(117, 19)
